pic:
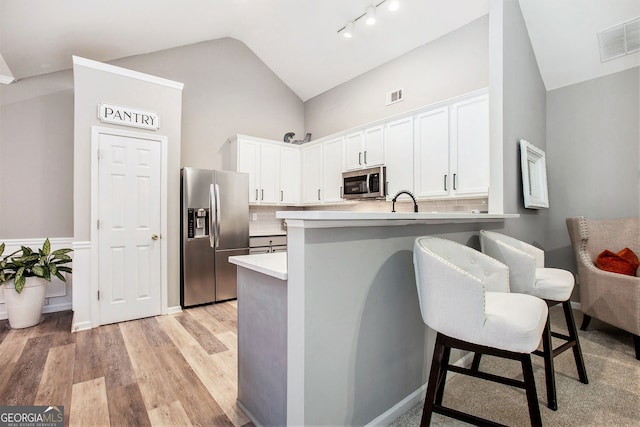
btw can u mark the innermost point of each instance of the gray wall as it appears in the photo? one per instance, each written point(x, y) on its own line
point(227, 90)
point(452, 65)
point(94, 86)
point(524, 117)
point(593, 159)
point(36, 157)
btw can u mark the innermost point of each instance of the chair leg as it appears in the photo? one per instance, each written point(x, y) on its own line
point(586, 319)
point(475, 365)
point(443, 375)
point(636, 344)
point(434, 375)
point(530, 387)
point(573, 336)
point(549, 372)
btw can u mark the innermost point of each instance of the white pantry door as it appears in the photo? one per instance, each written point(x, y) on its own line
point(129, 215)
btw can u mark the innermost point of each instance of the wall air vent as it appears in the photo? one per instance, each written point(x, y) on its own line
point(620, 40)
point(394, 96)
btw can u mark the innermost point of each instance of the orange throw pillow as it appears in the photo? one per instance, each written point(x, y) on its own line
point(624, 262)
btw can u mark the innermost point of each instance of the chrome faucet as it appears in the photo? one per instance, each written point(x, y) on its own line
point(415, 204)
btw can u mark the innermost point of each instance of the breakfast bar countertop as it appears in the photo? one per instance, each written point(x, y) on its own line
point(320, 219)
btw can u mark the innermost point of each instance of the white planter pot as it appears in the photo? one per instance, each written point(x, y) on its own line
point(24, 309)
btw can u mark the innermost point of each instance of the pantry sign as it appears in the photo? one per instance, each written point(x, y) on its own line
point(127, 116)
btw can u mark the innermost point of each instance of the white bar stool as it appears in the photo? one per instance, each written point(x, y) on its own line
point(464, 296)
point(527, 275)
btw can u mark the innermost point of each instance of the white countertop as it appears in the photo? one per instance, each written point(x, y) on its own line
point(273, 264)
point(319, 219)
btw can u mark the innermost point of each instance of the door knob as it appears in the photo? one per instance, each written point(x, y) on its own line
point(154, 237)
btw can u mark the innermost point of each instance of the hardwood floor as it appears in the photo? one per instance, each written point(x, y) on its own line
point(174, 370)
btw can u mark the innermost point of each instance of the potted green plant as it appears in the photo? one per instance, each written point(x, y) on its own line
point(24, 275)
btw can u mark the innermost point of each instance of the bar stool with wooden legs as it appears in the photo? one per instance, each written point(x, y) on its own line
point(464, 296)
point(528, 275)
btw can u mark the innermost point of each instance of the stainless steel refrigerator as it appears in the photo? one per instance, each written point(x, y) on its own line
point(215, 226)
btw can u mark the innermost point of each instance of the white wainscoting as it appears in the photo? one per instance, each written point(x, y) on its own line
point(82, 301)
point(58, 296)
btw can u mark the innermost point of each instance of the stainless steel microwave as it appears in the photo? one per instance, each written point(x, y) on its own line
point(365, 183)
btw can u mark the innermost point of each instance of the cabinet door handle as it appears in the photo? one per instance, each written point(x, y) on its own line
point(365, 157)
point(318, 194)
point(445, 183)
point(360, 157)
point(281, 195)
point(455, 184)
point(262, 194)
point(256, 194)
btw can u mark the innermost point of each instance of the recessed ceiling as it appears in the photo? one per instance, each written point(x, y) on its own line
point(297, 39)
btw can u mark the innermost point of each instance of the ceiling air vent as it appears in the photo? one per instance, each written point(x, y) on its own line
point(394, 96)
point(619, 40)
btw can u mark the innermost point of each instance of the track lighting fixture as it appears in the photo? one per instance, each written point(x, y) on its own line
point(369, 15)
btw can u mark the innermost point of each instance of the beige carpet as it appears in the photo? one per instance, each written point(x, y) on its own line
point(612, 397)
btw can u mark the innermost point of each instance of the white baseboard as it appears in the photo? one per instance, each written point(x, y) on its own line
point(248, 413)
point(54, 308)
point(400, 408)
point(81, 326)
point(175, 309)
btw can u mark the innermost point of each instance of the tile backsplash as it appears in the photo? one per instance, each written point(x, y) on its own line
point(266, 223)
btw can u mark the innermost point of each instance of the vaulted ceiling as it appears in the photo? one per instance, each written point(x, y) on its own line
point(297, 39)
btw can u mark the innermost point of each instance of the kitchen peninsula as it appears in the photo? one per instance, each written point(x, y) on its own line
point(332, 334)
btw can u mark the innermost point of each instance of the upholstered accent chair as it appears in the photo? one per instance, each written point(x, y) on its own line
point(611, 297)
point(464, 296)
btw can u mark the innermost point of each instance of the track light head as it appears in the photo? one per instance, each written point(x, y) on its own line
point(347, 33)
point(393, 5)
point(371, 15)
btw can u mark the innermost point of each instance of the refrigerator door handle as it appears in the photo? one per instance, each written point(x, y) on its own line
point(213, 238)
point(217, 215)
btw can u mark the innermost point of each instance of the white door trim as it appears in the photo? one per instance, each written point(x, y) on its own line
point(96, 131)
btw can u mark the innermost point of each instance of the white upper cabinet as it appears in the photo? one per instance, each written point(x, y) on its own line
point(332, 167)
point(452, 149)
point(470, 147)
point(431, 153)
point(399, 155)
point(269, 173)
point(312, 172)
point(273, 168)
point(289, 175)
point(364, 148)
point(438, 151)
point(247, 154)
